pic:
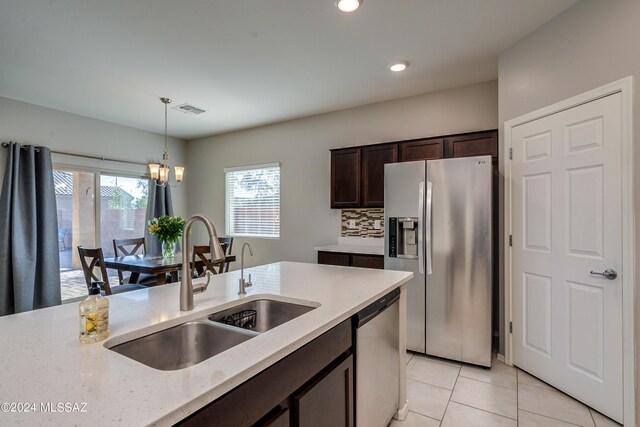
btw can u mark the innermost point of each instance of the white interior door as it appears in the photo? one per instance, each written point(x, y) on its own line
point(567, 222)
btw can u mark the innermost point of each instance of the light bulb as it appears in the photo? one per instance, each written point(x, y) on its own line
point(164, 174)
point(154, 169)
point(399, 66)
point(348, 5)
point(179, 171)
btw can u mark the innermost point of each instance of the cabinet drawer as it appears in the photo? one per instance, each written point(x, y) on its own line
point(333, 258)
point(367, 261)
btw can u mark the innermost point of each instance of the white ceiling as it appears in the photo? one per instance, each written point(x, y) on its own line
point(248, 62)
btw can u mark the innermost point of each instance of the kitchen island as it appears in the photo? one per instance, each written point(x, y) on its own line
point(45, 364)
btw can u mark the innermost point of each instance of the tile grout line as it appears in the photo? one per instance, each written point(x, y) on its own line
point(592, 419)
point(480, 409)
point(550, 418)
point(451, 395)
point(487, 382)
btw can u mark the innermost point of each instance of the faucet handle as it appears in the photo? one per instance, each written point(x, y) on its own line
point(248, 282)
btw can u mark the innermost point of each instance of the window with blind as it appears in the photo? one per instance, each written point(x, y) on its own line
point(253, 201)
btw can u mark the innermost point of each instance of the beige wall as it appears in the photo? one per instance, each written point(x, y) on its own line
point(593, 43)
point(60, 131)
point(302, 146)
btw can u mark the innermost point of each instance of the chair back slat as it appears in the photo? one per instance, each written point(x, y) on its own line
point(96, 258)
point(126, 247)
point(203, 254)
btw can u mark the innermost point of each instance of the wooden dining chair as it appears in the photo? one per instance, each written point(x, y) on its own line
point(201, 260)
point(94, 258)
point(127, 247)
point(229, 242)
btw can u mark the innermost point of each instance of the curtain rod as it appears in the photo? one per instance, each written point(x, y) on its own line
point(86, 156)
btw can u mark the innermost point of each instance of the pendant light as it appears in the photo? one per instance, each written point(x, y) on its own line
point(160, 172)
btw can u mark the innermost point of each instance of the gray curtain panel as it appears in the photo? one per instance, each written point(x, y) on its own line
point(29, 258)
point(158, 204)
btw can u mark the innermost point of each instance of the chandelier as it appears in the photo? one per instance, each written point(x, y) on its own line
point(160, 172)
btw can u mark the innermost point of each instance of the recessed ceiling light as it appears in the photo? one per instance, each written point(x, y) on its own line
point(399, 66)
point(348, 5)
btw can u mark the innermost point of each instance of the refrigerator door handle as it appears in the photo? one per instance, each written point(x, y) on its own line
point(421, 228)
point(428, 226)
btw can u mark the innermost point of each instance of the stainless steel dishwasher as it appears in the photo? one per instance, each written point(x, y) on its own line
point(377, 361)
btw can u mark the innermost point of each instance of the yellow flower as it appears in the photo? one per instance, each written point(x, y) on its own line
point(153, 228)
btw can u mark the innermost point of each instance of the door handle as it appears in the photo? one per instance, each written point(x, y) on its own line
point(420, 227)
point(429, 238)
point(608, 273)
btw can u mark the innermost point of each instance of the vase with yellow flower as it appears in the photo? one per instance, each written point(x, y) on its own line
point(167, 229)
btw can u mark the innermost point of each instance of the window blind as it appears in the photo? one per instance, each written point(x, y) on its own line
point(253, 201)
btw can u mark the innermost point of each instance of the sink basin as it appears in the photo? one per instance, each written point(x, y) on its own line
point(188, 344)
point(268, 314)
point(183, 345)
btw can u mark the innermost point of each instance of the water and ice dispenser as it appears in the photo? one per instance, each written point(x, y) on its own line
point(403, 237)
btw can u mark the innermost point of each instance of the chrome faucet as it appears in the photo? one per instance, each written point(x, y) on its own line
point(244, 284)
point(187, 289)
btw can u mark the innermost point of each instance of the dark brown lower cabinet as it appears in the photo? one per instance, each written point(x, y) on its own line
point(327, 401)
point(279, 419)
point(351, 260)
point(334, 258)
point(367, 261)
point(316, 377)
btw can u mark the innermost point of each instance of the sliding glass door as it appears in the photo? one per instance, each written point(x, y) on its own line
point(121, 206)
point(76, 226)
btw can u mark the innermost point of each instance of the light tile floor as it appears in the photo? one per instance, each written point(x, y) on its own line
point(442, 393)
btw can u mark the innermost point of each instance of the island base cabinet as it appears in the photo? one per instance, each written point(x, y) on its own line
point(327, 401)
point(318, 376)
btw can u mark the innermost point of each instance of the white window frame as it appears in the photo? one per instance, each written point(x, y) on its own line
point(226, 200)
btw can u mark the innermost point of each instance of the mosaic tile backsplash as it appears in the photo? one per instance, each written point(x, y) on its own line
point(364, 223)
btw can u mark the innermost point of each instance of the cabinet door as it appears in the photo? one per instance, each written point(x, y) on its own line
point(279, 419)
point(424, 149)
point(345, 178)
point(333, 258)
point(367, 261)
point(374, 159)
point(472, 144)
point(327, 401)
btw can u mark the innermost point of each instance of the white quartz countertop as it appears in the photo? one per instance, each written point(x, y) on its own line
point(43, 362)
point(352, 249)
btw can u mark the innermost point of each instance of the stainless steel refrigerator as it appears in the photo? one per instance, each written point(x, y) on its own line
point(437, 217)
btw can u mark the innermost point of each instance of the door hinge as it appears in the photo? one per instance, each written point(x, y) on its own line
point(510, 240)
point(510, 153)
point(510, 327)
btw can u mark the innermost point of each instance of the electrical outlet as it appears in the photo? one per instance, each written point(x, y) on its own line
point(351, 223)
point(376, 224)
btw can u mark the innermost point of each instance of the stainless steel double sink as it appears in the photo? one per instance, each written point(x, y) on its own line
point(192, 342)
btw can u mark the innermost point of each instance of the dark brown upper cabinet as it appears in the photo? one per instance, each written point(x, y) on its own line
point(345, 178)
point(472, 144)
point(421, 149)
point(374, 159)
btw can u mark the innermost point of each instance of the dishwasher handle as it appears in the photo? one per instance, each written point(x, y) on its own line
point(368, 313)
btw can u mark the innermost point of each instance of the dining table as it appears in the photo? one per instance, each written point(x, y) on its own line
point(156, 265)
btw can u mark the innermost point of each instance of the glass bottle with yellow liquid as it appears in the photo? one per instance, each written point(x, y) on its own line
point(94, 316)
